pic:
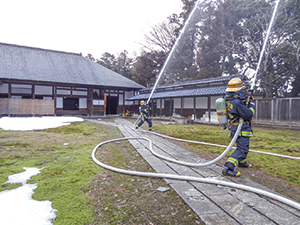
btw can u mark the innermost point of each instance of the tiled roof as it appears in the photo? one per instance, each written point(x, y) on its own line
point(195, 82)
point(204, 87)
point(35, 64)
point(219, 90)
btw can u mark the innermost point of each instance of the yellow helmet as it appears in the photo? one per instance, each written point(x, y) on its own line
point(235, 84)
point(142, 102)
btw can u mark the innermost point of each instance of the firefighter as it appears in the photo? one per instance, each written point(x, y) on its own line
point(145, 111)
point(236, 109)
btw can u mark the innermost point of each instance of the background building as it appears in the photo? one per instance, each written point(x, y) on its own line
point(36, 81)
point(187, 99)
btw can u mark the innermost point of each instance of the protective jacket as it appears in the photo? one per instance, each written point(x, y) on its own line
point(145, 110)
point(237, 109)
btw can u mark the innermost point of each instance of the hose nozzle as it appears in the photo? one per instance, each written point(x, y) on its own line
point(249, 97)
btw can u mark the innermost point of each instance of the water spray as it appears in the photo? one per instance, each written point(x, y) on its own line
point(169, 56)
point(172, 50)
point(251, 90)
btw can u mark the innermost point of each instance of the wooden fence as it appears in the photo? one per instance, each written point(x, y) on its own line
point(10, 107)
point(278, 111)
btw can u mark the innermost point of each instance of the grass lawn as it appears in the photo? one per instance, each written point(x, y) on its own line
point(279, 141)
point(80, 190)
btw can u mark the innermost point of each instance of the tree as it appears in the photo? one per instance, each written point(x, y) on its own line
point(90, 57)
point(108, 60)
point(180, 65)
point(232, 36)
point(209, 53)
point(121, 64)
point(292, 10)
point(161, 37)
point(147, 67)
point(222, 38)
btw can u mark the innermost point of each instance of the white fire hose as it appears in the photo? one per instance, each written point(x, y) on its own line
point(187, 178)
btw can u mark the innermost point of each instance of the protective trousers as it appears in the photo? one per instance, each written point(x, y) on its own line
point(240, 153)
point(147, 120)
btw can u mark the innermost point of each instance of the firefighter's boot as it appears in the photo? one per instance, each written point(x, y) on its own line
point(228, 172)
point(243, 163)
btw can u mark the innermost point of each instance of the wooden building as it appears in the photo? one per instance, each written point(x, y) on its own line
point(192, 99)
point(36, 81)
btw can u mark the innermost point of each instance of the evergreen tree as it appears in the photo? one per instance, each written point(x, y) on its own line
point(147, 67)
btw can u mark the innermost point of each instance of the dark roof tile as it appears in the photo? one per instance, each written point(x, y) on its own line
point(183, 93)
point(35, 64)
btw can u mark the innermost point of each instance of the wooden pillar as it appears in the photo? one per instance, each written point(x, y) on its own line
point(33, 91)
point(105, 103)
point(209, 108)
point(181, 106)
point(256, 111)
point(54, 95)
point(152, 106)
point(160, 107)
point(90, 99)
point(9, 90)
point(123, 102)
point(171, 108)
point(195, 116)
point(290, 112)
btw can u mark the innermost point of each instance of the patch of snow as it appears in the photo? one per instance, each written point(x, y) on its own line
point(36, 123)
point(17, 205)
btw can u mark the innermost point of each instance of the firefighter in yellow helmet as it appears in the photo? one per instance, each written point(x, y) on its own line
point(237, 108)
point(145, 111)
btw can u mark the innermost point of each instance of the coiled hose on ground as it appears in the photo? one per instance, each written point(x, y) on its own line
point(187, 178)
point(190, 178)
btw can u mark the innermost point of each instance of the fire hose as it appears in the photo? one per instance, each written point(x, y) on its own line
point(187, 178)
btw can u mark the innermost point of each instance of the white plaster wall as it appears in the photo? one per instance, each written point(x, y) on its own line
point(59, 102)
point(201, 102)
point(177, 103)
point(82, 103)
point(120, 99)
point(188, 103)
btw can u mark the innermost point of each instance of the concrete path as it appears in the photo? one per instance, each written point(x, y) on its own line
point(213, 204)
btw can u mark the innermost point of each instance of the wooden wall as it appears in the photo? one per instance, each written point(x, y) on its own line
point(10, 106)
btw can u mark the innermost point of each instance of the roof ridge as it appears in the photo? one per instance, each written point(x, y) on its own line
point(37, 48)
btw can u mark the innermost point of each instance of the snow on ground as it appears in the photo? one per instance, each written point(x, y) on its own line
point(17, 206)
point(35, 123)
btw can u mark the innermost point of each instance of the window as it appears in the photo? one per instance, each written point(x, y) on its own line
point(98, 94)
point(4, 88)
point(63, 90)
point(43, 90)
point(81, 93)
point(21, 89)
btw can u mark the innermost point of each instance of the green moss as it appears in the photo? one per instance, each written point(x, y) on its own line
point(64, 153)
point(76, 128)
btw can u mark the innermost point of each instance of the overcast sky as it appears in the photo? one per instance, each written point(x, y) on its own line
point(87, 26)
